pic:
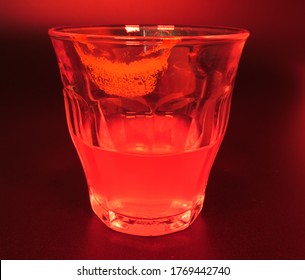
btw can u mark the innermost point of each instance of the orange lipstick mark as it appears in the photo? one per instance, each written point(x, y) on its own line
point(127, 79)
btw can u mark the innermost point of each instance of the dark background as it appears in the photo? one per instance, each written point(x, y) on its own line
point(255, 204)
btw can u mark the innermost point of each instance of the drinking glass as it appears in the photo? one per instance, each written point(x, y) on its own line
point(147, 108)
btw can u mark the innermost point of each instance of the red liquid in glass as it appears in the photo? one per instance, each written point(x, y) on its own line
point(147, 108)
point(147, 180)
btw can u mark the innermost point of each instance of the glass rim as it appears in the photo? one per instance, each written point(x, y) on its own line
point(207, 33)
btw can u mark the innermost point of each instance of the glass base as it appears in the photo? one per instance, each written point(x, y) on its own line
point(147, 226)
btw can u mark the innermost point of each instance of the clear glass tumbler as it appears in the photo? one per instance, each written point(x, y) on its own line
point(147, 108)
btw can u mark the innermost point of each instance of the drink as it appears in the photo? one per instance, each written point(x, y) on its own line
point(147, 108)
point(146, 181)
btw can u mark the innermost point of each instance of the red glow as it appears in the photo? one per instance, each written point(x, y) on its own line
point(266, 17)
point(51, 13)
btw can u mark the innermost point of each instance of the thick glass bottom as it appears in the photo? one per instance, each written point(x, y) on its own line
point(143, 226)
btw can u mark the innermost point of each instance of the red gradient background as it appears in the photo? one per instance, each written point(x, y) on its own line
point(255, 205)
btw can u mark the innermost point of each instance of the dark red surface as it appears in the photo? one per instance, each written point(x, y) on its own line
point(255, 204)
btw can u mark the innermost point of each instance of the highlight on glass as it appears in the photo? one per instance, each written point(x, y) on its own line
point(147, 108)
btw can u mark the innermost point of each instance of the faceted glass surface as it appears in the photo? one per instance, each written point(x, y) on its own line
point(147, 108)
